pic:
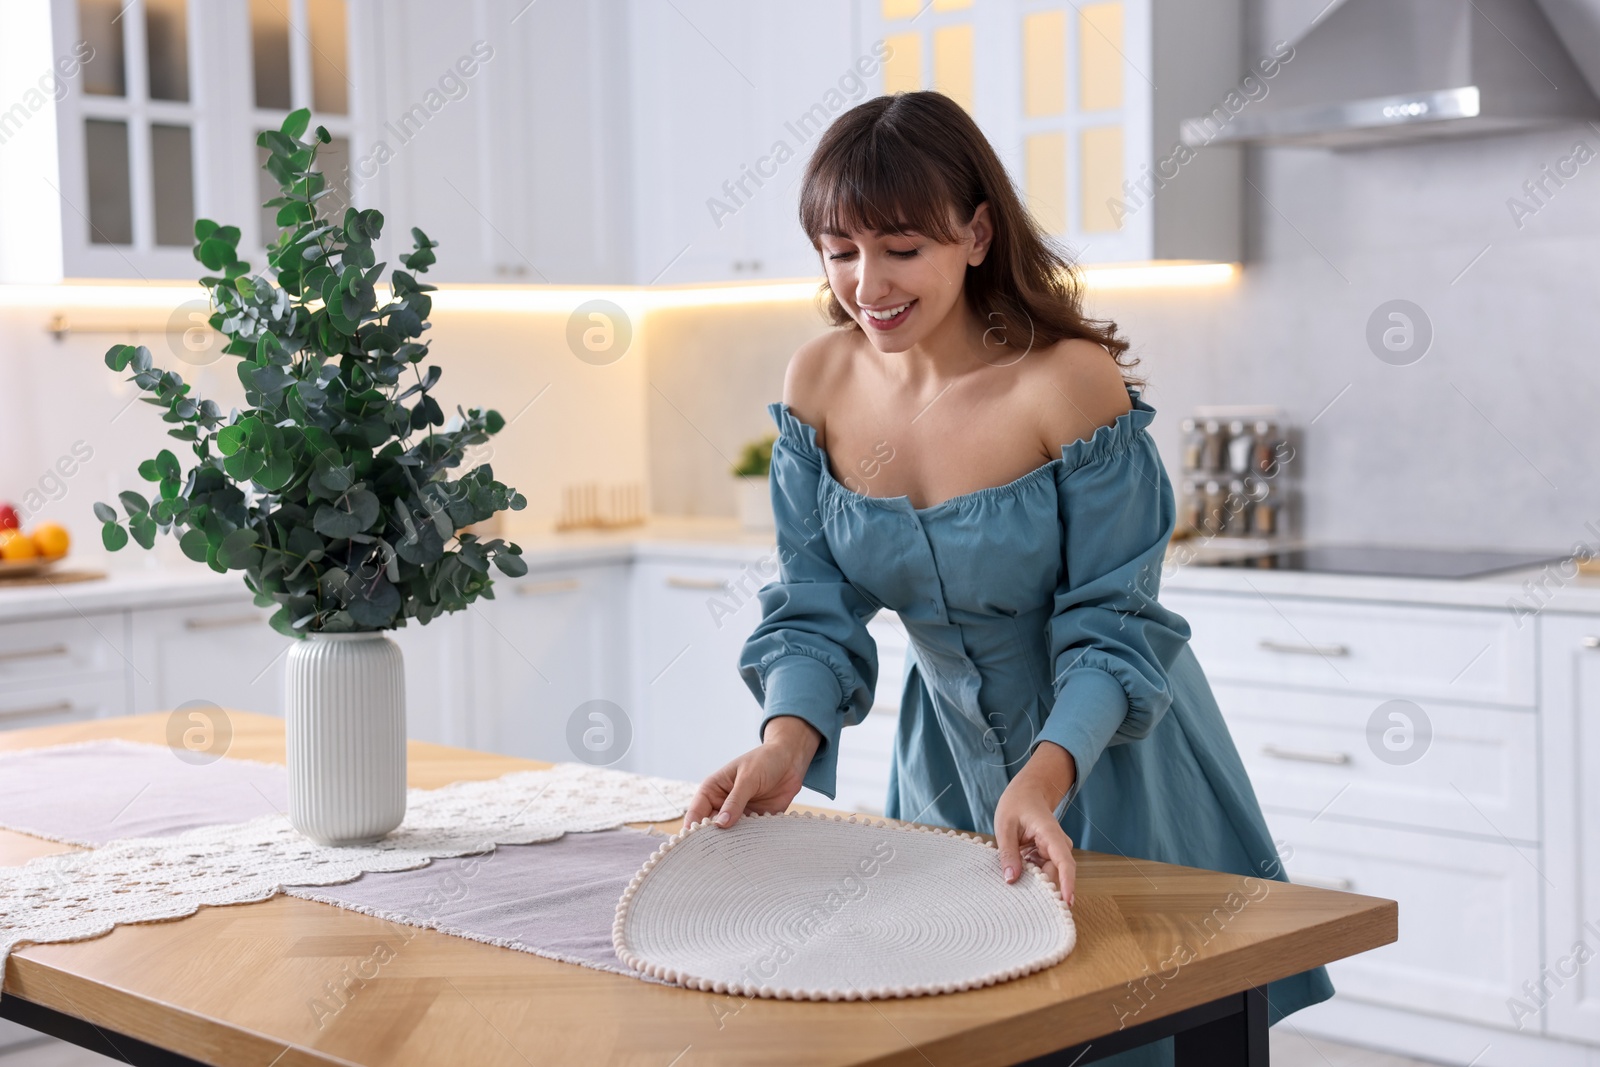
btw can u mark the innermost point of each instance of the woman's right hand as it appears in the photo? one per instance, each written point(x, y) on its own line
point(764, 780)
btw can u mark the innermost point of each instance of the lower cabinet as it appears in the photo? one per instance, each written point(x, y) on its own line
point(545, 647)
point(220, 652)
point(1570, 978)
point(691, 710)
point(1469, 913)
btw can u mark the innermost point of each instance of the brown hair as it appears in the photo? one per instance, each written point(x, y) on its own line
point(910, 160)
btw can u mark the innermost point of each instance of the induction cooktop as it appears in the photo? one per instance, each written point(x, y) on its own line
point(1390, 561)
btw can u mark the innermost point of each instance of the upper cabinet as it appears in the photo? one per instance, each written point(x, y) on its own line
point(599, 142)
point(157, 104)
point(1068, 94)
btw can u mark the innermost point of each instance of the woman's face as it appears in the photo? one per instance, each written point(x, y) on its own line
point(901, 287)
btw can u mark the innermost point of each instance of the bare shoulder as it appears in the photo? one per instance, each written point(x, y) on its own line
point(1079, 388)
point(817, 372)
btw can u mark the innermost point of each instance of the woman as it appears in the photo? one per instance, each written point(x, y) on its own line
point(968, 451)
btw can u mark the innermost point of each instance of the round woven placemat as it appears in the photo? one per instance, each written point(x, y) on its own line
point(806, 907)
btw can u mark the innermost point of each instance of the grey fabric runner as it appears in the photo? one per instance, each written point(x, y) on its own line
point(556, 899)
point(98, 791)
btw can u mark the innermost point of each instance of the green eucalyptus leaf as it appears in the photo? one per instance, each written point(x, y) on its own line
point(114, 537)
point(194, 545)
point(133, 503)
point(104, 512)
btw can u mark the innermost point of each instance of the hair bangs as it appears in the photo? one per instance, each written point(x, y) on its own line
point(877, 183)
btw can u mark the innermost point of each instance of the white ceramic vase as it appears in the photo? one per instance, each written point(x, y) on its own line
point(345, 719)
point(755, 503)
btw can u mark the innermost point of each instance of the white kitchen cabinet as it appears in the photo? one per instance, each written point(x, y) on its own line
point(728, 101)
point(866, 750)
point(1469, 913)
point(439, 683)
point(63, 648)
point(546, 645)
point(1311, 753)
point(503, 135)
point(55, 702)
point(152, 111)
point(221, 652)
point(693, 712)
point(1570, 676)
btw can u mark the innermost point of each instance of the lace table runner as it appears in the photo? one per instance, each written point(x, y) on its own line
point(79, 895)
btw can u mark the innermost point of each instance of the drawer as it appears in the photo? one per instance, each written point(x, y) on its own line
point(1459, 654)
point(52, 705)
point(1469, 914)
point(1469, 769)
point(43, 649)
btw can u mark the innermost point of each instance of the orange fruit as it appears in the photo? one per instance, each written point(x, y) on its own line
point(14, 545)
point(51, 539)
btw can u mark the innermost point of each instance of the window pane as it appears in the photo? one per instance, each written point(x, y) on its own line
point(266, 189)
point(105, 153)
point(166, 31)
point(269, 49)
point(902, 70)
point(172, 168)
point(100, 24)
point(952, 63)
point(1100, 57)
point(1102, 179)
point(330, 88)
point(1044, 63)
point(1045, 179)
point(333, 160)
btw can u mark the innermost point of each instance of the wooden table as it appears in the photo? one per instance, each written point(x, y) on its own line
point(235, 985)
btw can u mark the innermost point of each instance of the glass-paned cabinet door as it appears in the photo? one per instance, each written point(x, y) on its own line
point(1060, 87)
point(130, 137)
point(160, 127)
point(300, 57)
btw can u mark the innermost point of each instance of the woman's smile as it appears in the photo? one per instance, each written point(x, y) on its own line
point(888, 316)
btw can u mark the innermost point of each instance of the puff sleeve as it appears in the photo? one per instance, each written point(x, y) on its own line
point(811, 655)
point(1111, 642)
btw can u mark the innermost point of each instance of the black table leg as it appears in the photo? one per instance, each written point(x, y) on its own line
point(1237, 1040)
point(107, 1043)
point(1230, 1031)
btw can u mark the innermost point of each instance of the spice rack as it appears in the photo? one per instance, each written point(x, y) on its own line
point(1240, 474)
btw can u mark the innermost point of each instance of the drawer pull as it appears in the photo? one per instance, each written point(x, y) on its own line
point(1591, 641)
point(1305, 756)
point(224, 623)
point(33, 653)
point(550, 588)
point(58, 708)
point(1304, 650)
point(715, 585)
point(1343, 885)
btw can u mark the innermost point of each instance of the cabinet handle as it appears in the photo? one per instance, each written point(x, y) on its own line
point(224, 623)
point(1304, 650)
point(33, 653)
point(559, 585)
point(1591, 641)
point(1304, 756)
point(1343, 885)
point(711, 584)
point(41, 709)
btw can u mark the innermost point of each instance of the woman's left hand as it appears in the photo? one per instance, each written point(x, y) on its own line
point(1025, 824)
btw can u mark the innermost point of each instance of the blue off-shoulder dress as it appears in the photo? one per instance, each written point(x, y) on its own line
point(1033, 616)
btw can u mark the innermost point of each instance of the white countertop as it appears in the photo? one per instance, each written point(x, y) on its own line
point(715, 541)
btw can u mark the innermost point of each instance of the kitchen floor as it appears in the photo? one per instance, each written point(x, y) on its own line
point(1289, 1049)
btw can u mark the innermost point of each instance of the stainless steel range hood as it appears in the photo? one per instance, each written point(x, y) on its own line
point(1385, 71)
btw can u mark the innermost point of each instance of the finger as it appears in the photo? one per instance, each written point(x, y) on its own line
point(710, 795)
point(1008, 838)
point(744, 784)
point(1059, 847)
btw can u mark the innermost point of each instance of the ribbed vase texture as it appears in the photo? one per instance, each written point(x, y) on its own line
point(345, 720)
